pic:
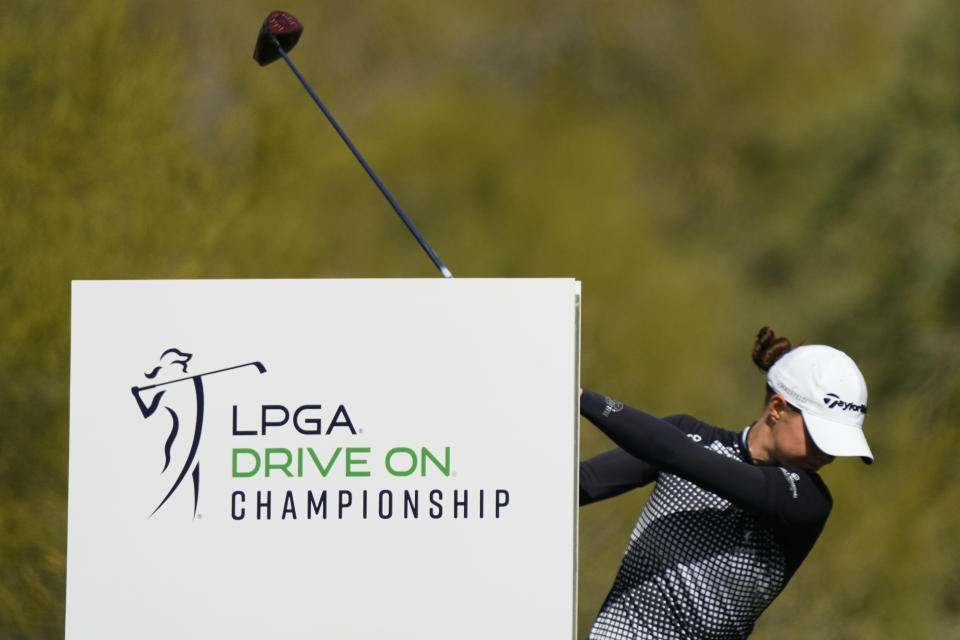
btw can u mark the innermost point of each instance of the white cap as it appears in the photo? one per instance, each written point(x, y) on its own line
point(828, 388)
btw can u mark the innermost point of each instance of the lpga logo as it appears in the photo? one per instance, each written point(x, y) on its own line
point(184, 409)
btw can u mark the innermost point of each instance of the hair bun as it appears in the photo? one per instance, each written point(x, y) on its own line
point(768, 348)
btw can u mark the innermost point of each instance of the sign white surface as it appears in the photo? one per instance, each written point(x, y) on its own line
point(323, 458)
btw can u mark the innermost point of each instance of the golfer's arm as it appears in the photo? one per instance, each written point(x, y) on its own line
point(761, 490)
point(146, 410)
point(612, 473)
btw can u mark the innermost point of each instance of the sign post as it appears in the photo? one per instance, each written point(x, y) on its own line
point(323, 458)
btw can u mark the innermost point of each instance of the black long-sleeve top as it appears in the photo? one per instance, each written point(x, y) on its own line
point(719, 536)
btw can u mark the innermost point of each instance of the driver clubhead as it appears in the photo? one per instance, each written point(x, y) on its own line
point(279, 29)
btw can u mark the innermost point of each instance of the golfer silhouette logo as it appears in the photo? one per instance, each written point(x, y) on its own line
point(182, 398)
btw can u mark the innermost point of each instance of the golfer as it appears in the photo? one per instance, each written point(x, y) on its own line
point(179, 404)
point(732, 515)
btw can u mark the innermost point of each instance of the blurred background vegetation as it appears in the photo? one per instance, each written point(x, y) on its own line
point(704, 168)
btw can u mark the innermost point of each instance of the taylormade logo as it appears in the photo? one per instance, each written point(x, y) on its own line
point(833, 401)
point(793, 480)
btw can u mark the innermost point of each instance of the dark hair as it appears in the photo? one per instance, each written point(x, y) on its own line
point(767, 349)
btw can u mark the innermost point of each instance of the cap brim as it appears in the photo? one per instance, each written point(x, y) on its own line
point(838, 439)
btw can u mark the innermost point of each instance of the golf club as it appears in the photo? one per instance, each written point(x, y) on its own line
point(279, 33)
point(258, 365)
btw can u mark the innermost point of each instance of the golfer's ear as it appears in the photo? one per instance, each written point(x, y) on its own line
point(777, 405)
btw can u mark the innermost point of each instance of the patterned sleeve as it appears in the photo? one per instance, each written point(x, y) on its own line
point(792, 496)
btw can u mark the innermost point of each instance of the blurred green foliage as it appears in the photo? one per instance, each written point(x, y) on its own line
point(704, 168)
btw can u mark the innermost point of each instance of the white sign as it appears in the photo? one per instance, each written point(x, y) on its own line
point(323, 458)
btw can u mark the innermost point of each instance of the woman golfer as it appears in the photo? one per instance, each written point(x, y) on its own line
point(732, 515)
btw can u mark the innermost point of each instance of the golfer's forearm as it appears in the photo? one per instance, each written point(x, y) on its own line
point(641, 434)
point(612, 473)
point(667, 447)
point(768, 491)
